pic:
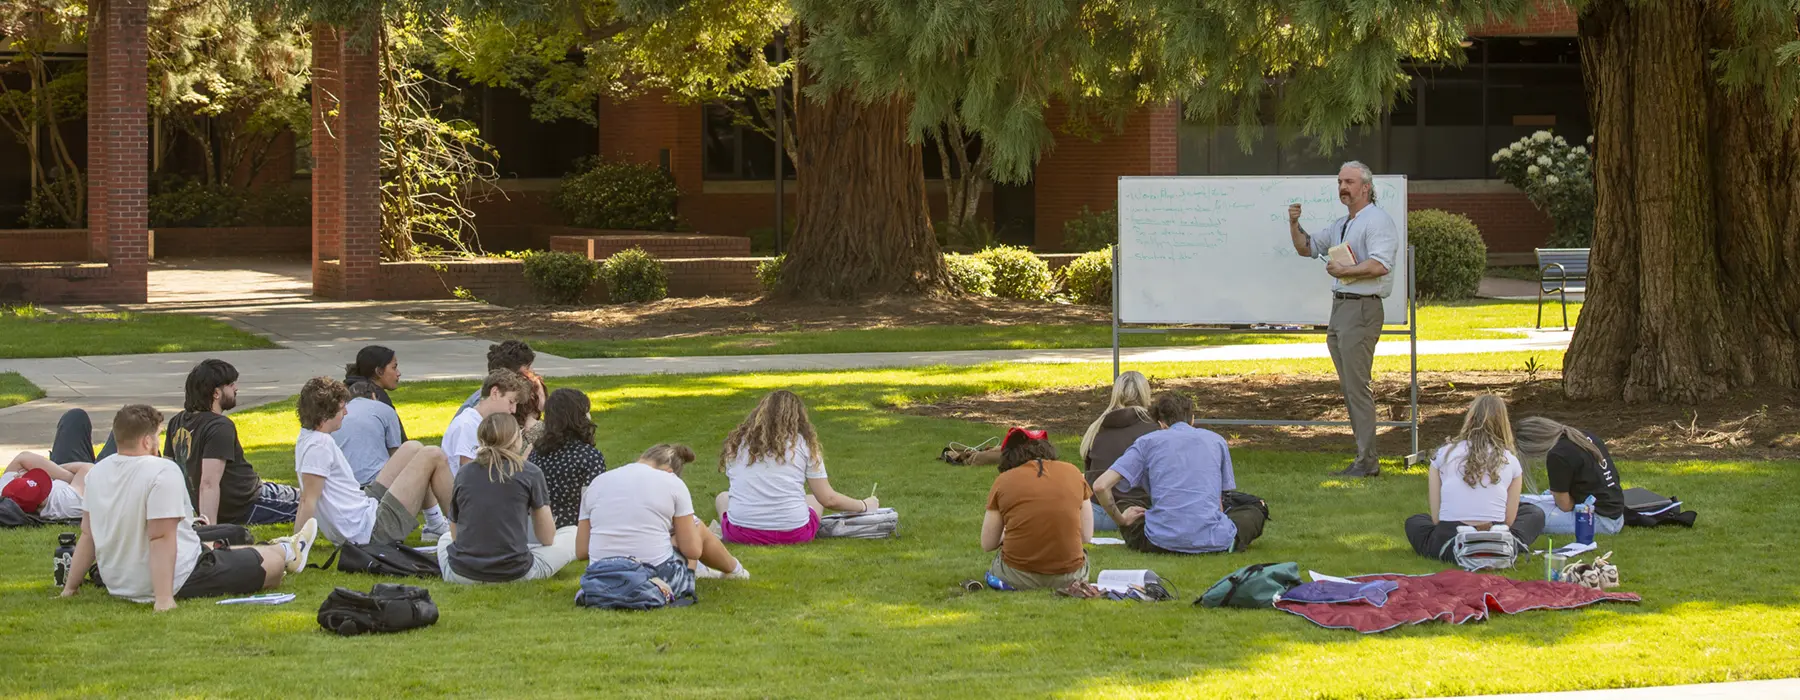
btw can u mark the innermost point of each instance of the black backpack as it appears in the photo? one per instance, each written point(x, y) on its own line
point(384, 559)
point(388, 607)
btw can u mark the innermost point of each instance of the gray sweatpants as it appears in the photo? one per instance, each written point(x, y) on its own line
point(1355, 326)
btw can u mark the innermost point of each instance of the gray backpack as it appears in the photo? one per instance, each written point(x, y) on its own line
point(878, 524)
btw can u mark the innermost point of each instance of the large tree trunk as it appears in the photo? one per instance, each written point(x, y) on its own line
point(1695, 286)
point(864, 227)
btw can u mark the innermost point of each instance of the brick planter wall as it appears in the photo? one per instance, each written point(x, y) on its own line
point(65, 283)
point(600, 245)
point(44, 245)
point(242, 241)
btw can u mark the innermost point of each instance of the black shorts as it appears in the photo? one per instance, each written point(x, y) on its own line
point(222, 572)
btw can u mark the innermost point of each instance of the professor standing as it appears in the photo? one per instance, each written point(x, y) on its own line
point(1357, 291)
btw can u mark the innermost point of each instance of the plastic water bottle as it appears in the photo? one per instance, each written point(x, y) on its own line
point(1584, 521)
point(63, 558)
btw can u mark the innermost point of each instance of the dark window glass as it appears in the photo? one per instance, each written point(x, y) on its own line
point(739, 146)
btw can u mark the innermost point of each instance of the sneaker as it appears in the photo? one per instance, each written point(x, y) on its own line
point(738, 574)
point(701, 570)
point(431, 532)
point(299, 545)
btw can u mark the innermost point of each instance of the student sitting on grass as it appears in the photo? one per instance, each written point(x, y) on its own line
point(772, 459)
point(1579, 466)
point(1126, 418)
point(1037, 516)
point(1186, 473)
point(497, 497)
point(139, 529)
point(370, 434)
point(516, 357)
point(387, 509)
point(380, 368)
point(566, 453)
point(224, 487)
point(643, 510)
point(44, 488)
point(501, 392)
point(1474, 480)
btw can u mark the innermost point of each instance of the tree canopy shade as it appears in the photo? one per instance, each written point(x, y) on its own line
point(998, 64)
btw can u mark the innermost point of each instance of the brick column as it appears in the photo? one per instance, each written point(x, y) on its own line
point(1079, 172)
point(118, 145)
point(360, 141)
point(327, 199)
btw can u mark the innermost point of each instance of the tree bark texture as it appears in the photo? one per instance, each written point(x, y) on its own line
point(864, 226)
point(1695, 276)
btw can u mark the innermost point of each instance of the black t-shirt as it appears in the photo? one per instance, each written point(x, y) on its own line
point(569, 470)
point(198, 435)
point(1574, 471)
point(493, 519)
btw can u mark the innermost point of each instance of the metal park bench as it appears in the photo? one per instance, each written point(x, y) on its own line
point(1566, 269)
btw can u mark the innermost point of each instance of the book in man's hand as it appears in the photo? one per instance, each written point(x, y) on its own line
point(1341, 254)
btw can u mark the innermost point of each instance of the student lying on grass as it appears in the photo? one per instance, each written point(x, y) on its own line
point(1474, 481)
point(644, 511)
point(496, 498)
point(44, 488)
point(139, 529)
point(387, 509)
point(1037, 516)
point(1579, 466)
point(773, 459)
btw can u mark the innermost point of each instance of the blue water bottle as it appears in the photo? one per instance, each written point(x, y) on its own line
point(1584, 521)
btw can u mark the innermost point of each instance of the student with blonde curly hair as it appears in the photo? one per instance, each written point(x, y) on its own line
point(1475, 480)
point(494, 499)
point(773, 459)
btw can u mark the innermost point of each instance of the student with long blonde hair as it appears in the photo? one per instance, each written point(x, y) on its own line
point(1126, 418)
point(773, 459)
point(1475, 480)
point(494, 498)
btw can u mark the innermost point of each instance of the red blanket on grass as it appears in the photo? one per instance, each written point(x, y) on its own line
point(1452, 596)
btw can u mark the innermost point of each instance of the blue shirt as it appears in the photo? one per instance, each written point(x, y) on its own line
point(473, 398)
point(371, 428)
point(1186, 470)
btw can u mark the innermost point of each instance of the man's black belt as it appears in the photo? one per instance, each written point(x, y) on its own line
point(1353, 297)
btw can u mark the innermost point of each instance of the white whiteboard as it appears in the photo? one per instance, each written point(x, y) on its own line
point(1216, 250)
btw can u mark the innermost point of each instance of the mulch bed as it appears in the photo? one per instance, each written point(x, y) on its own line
point(1756, 424)
point(673, 318)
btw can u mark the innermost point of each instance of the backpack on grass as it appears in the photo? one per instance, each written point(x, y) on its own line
point(624, 583)
point(874, 525)
point(1474, 550)
point(1254, 586)
point(383, 559)
point(388, 607)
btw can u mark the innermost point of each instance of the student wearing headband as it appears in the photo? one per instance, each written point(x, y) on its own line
point(1037, 516)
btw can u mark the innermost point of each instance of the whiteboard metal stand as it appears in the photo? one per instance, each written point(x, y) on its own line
point(1411, 332)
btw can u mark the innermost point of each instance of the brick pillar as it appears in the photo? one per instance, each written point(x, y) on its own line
point(118, 145)
point(327, 200)
point(1079, 172)
point(360, 141)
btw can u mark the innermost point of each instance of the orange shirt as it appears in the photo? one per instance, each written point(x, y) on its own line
point(1041, 516)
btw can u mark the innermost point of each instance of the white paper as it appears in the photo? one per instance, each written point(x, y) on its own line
point(1121, 580)
point(1106, 540)
point(264, 599)
point(1316, 576)
point(1574, 549)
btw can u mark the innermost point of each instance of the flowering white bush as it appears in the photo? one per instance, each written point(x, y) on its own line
point(1558, 178)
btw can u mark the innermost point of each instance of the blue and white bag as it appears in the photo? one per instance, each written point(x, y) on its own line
point(624, 583)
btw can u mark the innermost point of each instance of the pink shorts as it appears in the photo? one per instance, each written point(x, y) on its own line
point(744, 535)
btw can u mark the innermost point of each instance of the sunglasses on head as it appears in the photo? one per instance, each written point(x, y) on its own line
point(1028, 433)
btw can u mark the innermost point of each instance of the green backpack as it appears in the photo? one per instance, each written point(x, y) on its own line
point(1254, 586)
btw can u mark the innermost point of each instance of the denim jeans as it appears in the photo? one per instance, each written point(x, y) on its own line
point(74, 441)
point(1102, 521)
point(1562, 522)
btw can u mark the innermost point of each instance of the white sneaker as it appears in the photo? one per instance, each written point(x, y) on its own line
point(741, 574)
point(701, 570)
point(717, 531)
point(431, 532)
point(299, 545)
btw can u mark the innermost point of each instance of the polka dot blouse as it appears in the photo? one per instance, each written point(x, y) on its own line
point(568, 471)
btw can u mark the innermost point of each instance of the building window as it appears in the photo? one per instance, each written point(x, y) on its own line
point(738, 146)
point(1444, 128)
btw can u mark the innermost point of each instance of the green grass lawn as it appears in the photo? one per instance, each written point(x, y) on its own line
point(30, 331)
point(15, 390)
point(1437, 321)
point(883, 618)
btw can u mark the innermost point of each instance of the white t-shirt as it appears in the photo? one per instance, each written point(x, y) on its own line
point(771, 493)
point(629, 510)
point(459, 439)
point(345, 513)
point(1459, 501)
point(123, 495)
point(63, 503)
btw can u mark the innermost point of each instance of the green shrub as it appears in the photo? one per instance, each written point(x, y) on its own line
point(969, 236)
point(1018, 273)
point(559, 278)
point(1558, 178)
point(1089, 278)
point(768, 272)
point(762, 238)
point(633, 275)
point(1090, 231)
point(620, 196)
point(178, 202)
point(1451, 256)
point(970, 275)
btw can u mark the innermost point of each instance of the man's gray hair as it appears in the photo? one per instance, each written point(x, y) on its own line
point(1367, 175)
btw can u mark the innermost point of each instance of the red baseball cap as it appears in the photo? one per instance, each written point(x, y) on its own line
point(29, 490)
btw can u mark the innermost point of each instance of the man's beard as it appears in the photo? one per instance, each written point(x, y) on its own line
point(227, 403)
